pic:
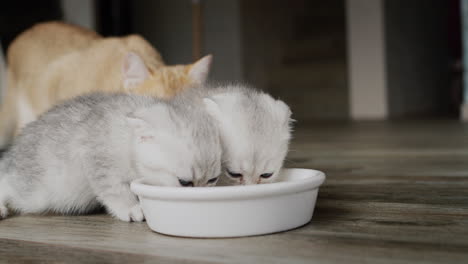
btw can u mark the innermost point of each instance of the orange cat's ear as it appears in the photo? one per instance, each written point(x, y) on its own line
point(200, 69)
point(134, 71)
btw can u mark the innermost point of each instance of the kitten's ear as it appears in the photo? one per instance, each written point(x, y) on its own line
point(212, 108)
point(199, 70)
point(147, 121)
point(286, 113)
point(144, 121)
point(141, 129)
point(284, 108)
point(134, 71)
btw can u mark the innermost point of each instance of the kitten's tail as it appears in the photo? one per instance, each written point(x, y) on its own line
point(3, 161)
point(3, 189)
point(2, 165)
point(4, 116)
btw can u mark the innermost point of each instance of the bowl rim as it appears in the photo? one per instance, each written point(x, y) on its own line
point(311, 179)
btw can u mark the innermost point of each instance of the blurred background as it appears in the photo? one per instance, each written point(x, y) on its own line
point(335, 59)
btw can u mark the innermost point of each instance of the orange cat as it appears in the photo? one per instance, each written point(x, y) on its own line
point(53, 61)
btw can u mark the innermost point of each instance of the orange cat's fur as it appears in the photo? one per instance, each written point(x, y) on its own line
point(53, 61)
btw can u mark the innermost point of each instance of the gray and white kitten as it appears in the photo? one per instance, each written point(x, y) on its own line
point(255, 131)
point(86, 152)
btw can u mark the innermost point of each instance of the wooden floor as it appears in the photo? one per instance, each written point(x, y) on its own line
point(395, 193)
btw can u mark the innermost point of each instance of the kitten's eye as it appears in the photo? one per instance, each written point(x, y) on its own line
point(234, 175)
point(186, 183)
point(213, 180)
point(266, 175)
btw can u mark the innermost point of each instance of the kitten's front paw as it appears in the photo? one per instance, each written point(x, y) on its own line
point(3, 211)
point(134, 214)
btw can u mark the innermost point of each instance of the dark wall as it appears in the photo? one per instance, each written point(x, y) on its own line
point(114, 17)
point(167, 26)
point(418, 57)
point(18, 15)
point(296, 50)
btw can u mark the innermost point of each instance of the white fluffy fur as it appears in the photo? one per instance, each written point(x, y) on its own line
point(85, 153)
point(255, 132)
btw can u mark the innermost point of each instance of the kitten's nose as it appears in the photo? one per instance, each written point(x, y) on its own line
point(249, 180)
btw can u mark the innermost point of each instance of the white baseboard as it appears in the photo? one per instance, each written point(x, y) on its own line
point(80, 13)
point(366, 60)
point(464, 112)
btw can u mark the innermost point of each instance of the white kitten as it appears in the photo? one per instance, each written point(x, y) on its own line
point(255, 132)
point(85, 153)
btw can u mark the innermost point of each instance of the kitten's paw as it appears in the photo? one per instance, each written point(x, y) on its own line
point(136, 214)
point(3, 211)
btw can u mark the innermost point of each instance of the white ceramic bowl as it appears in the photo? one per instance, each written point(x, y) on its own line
point(231, 211)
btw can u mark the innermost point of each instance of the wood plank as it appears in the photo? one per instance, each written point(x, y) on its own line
point(17, 251)
point(302, 245)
